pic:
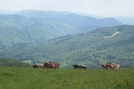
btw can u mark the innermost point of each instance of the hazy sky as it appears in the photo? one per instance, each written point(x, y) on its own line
point(104, 8)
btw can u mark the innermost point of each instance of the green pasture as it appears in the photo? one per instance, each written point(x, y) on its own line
point(28, 78)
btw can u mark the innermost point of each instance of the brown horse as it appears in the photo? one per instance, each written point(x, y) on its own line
point(51, 65)
point(56, 64)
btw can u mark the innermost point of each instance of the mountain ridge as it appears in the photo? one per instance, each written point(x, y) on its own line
point(86, 48)
point(73, 19)
point(22, 27)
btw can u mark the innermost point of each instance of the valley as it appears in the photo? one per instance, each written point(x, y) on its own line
point(66, 38)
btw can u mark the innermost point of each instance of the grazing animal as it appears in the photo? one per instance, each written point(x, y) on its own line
point(56, 64)
point(37, 65)
point(116, 66)
point(105, 66)
point(51, 65)
point(46, 65)
point(109, 65)
point(79, 66)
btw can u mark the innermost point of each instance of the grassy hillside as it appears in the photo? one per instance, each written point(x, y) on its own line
point(5, 62)
point(104, 44)
point(26, 78)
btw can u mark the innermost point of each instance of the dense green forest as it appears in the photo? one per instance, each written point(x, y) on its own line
point(114, 44)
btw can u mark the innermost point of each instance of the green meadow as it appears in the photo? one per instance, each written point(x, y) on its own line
point(28, 78)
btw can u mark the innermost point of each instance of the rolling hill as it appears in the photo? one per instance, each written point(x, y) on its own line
point(16, 29)
point(6, 62)
point(105, 44)
point(32, 26)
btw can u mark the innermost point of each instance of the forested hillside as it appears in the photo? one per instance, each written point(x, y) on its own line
point(16, 29)
point(32, 26)
point(114, 44)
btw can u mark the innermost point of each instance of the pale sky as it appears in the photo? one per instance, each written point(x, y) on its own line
point(105, 8)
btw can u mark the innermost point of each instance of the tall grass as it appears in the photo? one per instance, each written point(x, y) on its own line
point(27, 78)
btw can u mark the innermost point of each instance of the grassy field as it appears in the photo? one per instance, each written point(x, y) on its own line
point(28, 78)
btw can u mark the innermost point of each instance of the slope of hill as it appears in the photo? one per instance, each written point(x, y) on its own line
point(114, 44)
point(5, 62)
point(32, 26)
point(16, 29)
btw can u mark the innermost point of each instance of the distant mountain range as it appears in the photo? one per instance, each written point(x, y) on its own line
point(125, 20)
point(105, 44)
point(16, 29)
point(32, 26)
point(78, 21)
